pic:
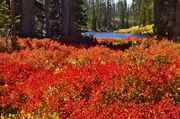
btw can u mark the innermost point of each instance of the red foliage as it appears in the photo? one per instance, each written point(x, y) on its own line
point(45, 76)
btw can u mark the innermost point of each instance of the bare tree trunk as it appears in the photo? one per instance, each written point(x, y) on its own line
point(72, 17)
point(177, 24)
point(156, 15)
point(47, 16)
point(68, 17)
point(27, 18)
point(13, 18)
point(12, 44)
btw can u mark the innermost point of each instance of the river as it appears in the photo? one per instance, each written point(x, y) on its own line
point(116, 35)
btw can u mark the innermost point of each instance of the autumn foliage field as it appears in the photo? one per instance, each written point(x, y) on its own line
point(50, 79)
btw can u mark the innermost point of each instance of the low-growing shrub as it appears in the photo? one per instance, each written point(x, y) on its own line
point(46, 79)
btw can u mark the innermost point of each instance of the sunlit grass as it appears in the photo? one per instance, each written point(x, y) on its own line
point(148, 29)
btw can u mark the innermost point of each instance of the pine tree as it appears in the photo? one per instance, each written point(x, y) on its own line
point(48, 18)
point(80, 14)
point(109, 14)
point(122, 9)
point(5, 18)
point(94, 28)
point(39, 18)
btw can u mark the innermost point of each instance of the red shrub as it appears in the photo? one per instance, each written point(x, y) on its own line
point(141, 82)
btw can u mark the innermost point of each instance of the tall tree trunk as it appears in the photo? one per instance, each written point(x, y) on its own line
point(47, 17)
point(94, 17)
point(157, 17)
point(13, 29)
point(13, 18)
point(72, 17)
point(27, 18)
point(68, 17)
point(177, 24)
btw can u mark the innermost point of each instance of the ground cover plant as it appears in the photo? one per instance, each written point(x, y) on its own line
point(50, 79)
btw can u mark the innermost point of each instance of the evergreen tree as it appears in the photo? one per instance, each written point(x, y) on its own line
point(93, 16)
point(109, 14)
point(48, 18)
point(122, 10)
point(142, 12)
point(80, 14)
point(98, 15)
point(5, 18)
point(39, 18)
point(104, 15)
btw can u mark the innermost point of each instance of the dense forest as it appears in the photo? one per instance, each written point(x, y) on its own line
point(109, 15)
point(49, 18)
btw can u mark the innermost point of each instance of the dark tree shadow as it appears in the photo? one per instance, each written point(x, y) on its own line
point(87, 42)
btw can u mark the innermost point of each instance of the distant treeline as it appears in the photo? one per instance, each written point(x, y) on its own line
point(108, 15)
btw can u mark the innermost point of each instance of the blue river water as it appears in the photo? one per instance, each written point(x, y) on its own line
point(115, 35)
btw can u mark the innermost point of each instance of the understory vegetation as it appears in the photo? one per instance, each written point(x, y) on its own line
point(50, 79)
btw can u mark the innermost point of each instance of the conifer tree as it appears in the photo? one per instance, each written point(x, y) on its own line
point(80, 14)
point(5, 19)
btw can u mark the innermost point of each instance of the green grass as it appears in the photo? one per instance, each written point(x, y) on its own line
point(148, 29)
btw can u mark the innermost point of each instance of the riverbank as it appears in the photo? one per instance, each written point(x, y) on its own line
point(148, 29)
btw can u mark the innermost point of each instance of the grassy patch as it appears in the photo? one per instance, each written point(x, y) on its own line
point(136, 29)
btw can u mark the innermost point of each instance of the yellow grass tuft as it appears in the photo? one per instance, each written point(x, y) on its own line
point(136, 29)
